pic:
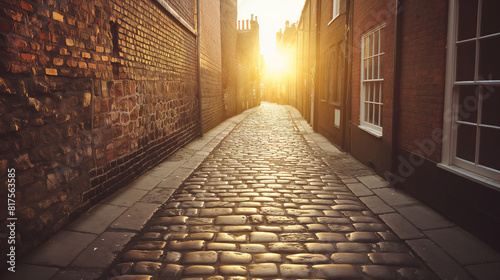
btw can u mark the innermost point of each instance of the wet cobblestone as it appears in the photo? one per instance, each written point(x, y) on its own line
point(263, 205)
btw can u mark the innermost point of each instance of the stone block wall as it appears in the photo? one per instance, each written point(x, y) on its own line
point(92, 94)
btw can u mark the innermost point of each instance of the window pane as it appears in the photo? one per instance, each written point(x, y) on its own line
point(489, 58)
point(490, 21)
point(364, 69)
point(489, 151)
point(375, 67)
point(370, 113)
point(376, 119)
point(466, 142)
point(466, 53)
point(369, 70)
point(491, 104)
point(366, 47)
point(367, 91)
point(467, 19)
point(376, 37)
point(377, 92)
point(468, 98)
point(366, 112)
point(369, 45)
point(381, 118)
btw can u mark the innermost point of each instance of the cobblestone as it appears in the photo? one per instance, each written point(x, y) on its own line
point(263, 205)
point(200, 257)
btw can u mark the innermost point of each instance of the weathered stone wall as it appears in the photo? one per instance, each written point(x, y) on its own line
point(92, 94)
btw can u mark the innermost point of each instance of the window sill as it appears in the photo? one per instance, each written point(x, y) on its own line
point(371, 131)
point(333, 19)
point(485, 181)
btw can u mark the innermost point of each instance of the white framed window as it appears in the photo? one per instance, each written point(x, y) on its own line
point(335, 10)
point(372, 81)
point(471, 142)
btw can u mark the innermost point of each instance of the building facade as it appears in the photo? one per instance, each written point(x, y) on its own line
point(249, 70)
point(409, 88)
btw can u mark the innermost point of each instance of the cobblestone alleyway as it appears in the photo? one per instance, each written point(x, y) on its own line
point(264, 205)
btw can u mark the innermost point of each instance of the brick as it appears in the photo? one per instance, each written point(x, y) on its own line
point(51, 71)
point(70, 42)
point(57, 16)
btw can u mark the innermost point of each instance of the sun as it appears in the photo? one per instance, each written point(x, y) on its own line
point(277, 63)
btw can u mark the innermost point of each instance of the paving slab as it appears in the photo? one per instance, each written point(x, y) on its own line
point(424, 217)
point(61, 249)
point(373, 181)
point(377, 205)
point(30, 272)
point(135, 217)
point(145, 182)
point(401, 226)
point(463, 246)
point(126, 197)
point(486, 271)
point(359, 189)
point(78, 274)
point(98, 219)
point(394, 197)
point(439, 261)
point(102, 252)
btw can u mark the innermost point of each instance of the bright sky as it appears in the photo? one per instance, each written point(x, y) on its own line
point(271, 16)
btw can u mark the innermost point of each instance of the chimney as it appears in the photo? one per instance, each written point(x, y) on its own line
point(287, 23)
point(239, 24)
point(252, 17)
point(248, 25)
point(255, 18)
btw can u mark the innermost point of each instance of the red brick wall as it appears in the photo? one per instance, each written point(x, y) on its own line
point(424, 31)
point(228, 54)
point(368, 14)
point(213, 111)
point(87, 105)
point(332, 42)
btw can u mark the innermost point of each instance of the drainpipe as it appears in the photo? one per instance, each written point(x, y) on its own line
point(396, 101)
point(198, 53)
